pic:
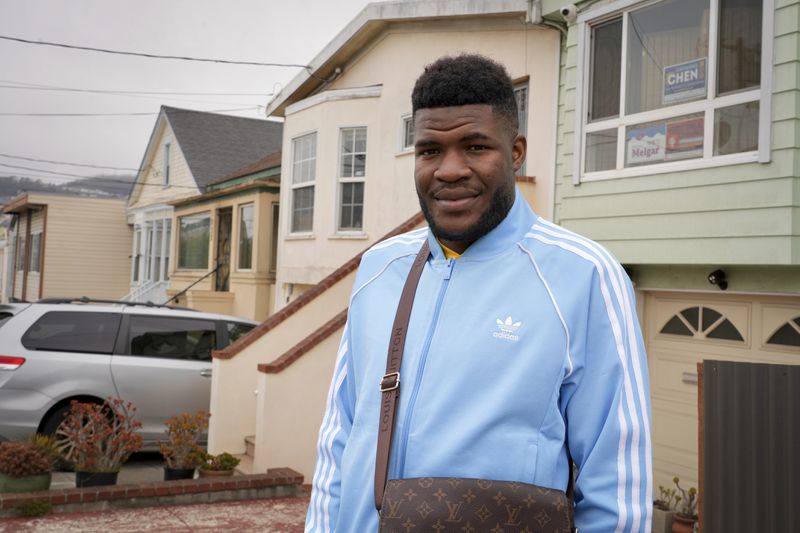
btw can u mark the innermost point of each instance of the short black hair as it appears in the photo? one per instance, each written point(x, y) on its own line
point(464, 80)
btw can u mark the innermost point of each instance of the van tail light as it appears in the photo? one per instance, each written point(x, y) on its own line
point(10, 363)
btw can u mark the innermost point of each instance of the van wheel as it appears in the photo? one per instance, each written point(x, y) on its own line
point(54, 420)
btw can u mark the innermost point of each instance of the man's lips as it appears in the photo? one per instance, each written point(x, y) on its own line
point(454, 199)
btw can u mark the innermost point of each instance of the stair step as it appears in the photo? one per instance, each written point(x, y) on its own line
point(246, 465)
point(250, 445)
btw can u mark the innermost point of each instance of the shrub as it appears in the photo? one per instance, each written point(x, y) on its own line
point(181, 450)
point(99, 437)
point(223, 461)
point(21, 459)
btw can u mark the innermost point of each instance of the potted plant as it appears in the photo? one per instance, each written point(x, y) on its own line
point(664, 509)
point(686, 511)
point(24, 467)
point(218, 465)
point(182, 453)
point(98, 439)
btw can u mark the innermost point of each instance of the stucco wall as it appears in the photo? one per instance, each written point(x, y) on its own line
point(394, 60)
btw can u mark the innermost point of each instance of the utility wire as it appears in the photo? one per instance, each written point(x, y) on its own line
point(65, 163)
point(142, 114)
point(154, 56)
point(77, 180)
point(41, 87)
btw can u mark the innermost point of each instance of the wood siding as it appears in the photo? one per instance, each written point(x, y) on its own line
point(149, 189)
point(736, 214)
point(86, 248)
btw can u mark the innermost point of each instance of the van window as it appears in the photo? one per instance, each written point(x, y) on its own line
point(72, 331)
point(172, 338)
point(237, 330)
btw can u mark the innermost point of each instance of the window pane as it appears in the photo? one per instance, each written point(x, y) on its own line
point(408, 132)
point(72, 331)
point(667, 51)
point(246, 236)
point(739, 65)
point(665, 140)
point(353, 154)
point(304, 150)
point(173, 338)
point(736, 129)
point(606, 67)
point(273, 254)
point(193, 241)
point(352, 207)
point(302, 209)
point(237, 330)
point(601, 150)
point(36, 248)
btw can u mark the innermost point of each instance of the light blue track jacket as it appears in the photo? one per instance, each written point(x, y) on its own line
point(527, 341)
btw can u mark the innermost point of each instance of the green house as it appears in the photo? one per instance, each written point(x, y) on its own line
point(678, 148)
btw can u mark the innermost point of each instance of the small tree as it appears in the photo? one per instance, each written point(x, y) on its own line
point(181, 450)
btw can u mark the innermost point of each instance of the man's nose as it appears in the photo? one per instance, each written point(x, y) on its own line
point(452, 166)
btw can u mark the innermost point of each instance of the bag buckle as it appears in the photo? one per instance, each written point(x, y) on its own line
point(390, 382)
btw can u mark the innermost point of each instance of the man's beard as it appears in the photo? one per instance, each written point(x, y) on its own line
point(502, 200)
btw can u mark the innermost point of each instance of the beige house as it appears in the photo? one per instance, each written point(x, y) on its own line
point(347, 182)
point(348, 139)
point(68, 246)
point(187, 151)
point(226, 243)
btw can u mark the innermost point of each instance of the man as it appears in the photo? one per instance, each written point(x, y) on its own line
point(522, 338)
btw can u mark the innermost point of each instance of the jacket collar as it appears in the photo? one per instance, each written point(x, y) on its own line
point(510, 231)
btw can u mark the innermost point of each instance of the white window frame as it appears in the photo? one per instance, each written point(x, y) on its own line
point(166, 169)
point(707, 106)
point(295, 185)
point(240, 219)
point(406, 121)
point(523, 124)
point(341, 180)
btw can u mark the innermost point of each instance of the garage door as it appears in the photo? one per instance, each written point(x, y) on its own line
point(682, 329)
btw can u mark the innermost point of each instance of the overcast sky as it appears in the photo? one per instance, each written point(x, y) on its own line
point(282, 31)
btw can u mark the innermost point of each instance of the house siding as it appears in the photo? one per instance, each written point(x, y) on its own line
point(149, 189)
point(738, 214)
point(86, 247)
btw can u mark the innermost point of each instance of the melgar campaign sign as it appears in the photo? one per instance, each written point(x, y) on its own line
point(685, 81)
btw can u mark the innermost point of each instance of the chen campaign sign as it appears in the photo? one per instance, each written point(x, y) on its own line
point(685, 81)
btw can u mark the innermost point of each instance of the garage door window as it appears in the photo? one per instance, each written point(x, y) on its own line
point(65, 331)
point(172, 338)
point(703, 323)
point(788, 334)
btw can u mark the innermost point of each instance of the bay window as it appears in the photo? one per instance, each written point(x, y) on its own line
point(352, 170)
point(669, 85)
point(304, 171)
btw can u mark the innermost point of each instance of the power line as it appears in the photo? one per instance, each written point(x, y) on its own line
point(78, 179)
point(40, 87)
point(142, 114)
point(154, 56)
point(45, 171)
point(65, 163)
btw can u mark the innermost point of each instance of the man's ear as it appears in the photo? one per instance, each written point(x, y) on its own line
point(519, 150)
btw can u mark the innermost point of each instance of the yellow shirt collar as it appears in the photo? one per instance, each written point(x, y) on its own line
point(448, 253)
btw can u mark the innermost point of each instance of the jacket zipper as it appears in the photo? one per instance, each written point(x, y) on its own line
point(403, 443)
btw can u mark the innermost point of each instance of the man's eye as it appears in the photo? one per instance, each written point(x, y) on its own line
point(477, 147)
point(427, 151)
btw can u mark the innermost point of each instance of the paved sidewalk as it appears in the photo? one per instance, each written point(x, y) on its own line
point(282, 515)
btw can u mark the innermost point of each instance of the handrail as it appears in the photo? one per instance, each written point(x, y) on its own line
point(185, 290)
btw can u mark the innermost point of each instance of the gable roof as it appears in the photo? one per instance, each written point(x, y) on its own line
point(215, 145)
point(371, 22)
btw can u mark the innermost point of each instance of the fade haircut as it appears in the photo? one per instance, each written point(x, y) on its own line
point(464, 80)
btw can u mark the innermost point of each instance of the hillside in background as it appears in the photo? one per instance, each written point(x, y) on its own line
point(100, 186)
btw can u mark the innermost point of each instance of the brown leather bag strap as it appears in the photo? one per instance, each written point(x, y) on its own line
point(390, 384)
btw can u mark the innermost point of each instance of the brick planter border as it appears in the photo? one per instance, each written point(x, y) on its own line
point(276, 483)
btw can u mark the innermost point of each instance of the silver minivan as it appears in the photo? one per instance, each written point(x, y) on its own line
point(158, 357)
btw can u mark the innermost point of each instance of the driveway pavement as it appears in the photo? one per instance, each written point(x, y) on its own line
point(283, 515)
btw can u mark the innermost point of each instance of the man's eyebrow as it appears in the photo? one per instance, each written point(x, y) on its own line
point(477, 136)
point(425, 143)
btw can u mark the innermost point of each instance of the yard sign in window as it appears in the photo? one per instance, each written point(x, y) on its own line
point(669, 81)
